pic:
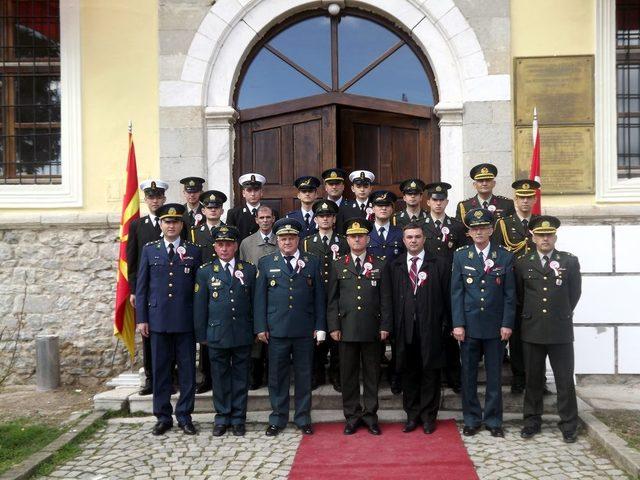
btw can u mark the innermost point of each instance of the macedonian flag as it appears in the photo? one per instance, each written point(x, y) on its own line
point(125, 323)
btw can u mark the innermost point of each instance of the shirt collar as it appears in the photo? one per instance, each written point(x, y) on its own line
point(296, 255)
point(251, 207)
point(304, 212)
point(386, 226)
point(485, 252)
point(488, 200)
point(176, 243)
point(153, 218)
point(231, 262)
point(420, 256)
point(549, 255)
point(359, 203)
point(362, 257)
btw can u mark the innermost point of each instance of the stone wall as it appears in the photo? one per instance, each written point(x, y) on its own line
point(59, 278)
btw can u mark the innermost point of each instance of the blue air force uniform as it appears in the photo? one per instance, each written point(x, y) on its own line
point(387, 244)
point(305, 183)
point(290, 305)
point(223, 318)
point(483, 300)
point(164, 300)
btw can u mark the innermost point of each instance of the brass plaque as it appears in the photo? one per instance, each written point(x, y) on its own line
point(566, 158)
point(562, 89)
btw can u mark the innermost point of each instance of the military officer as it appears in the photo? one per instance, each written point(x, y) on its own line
point(142, 231)
point(307, 194)
point(414, 299)
point(289, 315)
point(193, 215)
point(483, 304)
point(512, 232)
point(549, 286)
point(164, 313)
point(333, 179)
point(354, 321)
point(243, 216)
point(412, 191)
point(443, 235)
point(327, 245)
point(385, 239)
point(223, 319)
point(484, 181)
point(212, 206)
point(361, 207)
point(252, 248)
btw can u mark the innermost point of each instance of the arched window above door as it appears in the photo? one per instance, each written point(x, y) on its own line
point(349, 54)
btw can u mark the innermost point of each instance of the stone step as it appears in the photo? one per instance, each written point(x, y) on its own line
point(326, 398)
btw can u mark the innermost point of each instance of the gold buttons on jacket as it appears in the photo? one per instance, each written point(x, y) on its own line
point(170, 295)
point(544, 310)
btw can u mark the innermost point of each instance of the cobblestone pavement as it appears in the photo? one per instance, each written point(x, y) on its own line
point(128, 450)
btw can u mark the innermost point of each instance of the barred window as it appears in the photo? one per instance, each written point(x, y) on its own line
point(628, 87)
point(30, 92)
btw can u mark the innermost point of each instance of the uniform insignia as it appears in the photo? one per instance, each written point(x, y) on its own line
point(192, 183)
point(214, 294)
point(153, 184)
point(559, 281)
point(275, 258)
point(333, 175)
point(438, 188)
point(484, 170)
point(240, 266)
point(272, 283)
point(172, 211)
point(470, 255)
point(478, 214)
point(545, 224)
point(494, 254)
point(216, 268)
point(469, 280)
point(196, 288)
point(146, 220)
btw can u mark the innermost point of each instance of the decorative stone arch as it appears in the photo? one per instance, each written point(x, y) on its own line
point(232, 27)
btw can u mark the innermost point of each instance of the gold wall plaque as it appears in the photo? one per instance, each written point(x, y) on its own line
point(562, 89)
point(566, 158)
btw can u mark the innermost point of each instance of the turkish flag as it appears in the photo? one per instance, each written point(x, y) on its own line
point(534, 173)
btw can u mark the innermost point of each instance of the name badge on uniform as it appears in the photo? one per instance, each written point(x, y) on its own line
point(374, 283)
point(559, 281)
point(216, 282)
point(187, 269)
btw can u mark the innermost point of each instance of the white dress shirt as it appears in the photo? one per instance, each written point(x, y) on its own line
point(386, 226)
point(418, 263)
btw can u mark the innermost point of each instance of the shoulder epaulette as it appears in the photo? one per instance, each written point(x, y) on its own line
point(378, 257)
point(522, 255)
point(463, 247)
point(153, 242)
point(504, 248)
point(503, 198)
point(246, 262)
point(205, 264)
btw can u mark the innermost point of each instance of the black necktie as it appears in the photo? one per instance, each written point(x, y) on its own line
point(481, 255)
point(212, 229)
point(381, 232)
point(171, 251)
point(525, 225)
point(358, 266)
point(191, 216)
point(325, 240)
point(306, 219)
point(288, 258)
point(414, 218)
point(485, 204)
point(545, 261)
point(254, 212)
point(266, 239)
point(438, 224)
point(156, 225)
point(227, 268)
point(362, 207)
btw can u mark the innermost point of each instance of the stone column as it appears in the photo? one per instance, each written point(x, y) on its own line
point(220, 137)
point(47, 362)
point(451, 158)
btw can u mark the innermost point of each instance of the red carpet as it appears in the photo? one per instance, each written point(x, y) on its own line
point(328, 454)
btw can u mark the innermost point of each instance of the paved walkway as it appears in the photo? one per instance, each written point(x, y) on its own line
point(128, 450)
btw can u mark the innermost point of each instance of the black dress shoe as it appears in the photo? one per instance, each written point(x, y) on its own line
point(496, 431)
point(350, 428)
point(517, 389)
point(146, 389)
point(219, 430)
point(468, 431)
point(374, 429)
point(456, 388)
point(396, 385)
point(272, 430)
point(239, 430)
point(546, 391)
point(306, 429)
point(203, 387)
point(255, 386)
point(410, 426)
point(569, 437)
point(529, 431)
point(337, 386)
point(160, 428)
point(429, 427)
point(188, 428)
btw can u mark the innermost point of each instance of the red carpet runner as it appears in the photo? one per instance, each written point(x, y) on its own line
point(328, 454)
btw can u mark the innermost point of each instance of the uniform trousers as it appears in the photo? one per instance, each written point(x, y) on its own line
point(282, 351)
point(230, 379)
point(472, 350)
point(352, 355)
point(562, 361)
point(420, 386)
point(167, 349)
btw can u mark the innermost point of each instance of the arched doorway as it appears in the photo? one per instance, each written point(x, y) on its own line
point(349, 90)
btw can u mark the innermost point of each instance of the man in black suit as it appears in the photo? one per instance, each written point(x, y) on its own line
point(243, 217)
point(193, 215)
point(142, 231)
point(361, 207)
point(415, 292)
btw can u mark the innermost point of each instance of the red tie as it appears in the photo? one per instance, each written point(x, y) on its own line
point(413, 274)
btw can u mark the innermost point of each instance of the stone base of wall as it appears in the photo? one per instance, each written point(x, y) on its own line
point(59, 278)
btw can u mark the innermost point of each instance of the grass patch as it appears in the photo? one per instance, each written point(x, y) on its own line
point(625, 423)
point(20, 438)
point(70, 450)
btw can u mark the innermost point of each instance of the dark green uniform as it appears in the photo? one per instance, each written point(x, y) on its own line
point(548, 295)
point(333, 248)
point(402, 218)
point(354, 309)
point(202, 237)
point(499, 206)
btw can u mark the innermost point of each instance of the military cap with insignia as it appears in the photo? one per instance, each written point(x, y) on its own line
point(325, 207)
point(252, 180)
point(212, 198)
point(383, 197)
point(484, 171)
point(334, 175)
point(171, 210)
point(287, 226)
point(478, 217)
point(362, 177)
point(525, 187)
point(225, 233)
point(307, 182)
point(192, 184)
point(154, 187)
point(438, 190)
point(412, 185)
point(357, 226)
point(544, 224)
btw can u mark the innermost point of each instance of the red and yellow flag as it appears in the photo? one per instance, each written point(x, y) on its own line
point(534, 172)
point(124, 326)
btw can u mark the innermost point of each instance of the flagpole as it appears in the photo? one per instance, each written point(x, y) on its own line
point(130, 127)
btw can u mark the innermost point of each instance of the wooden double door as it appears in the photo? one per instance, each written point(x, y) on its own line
point(285, 145)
